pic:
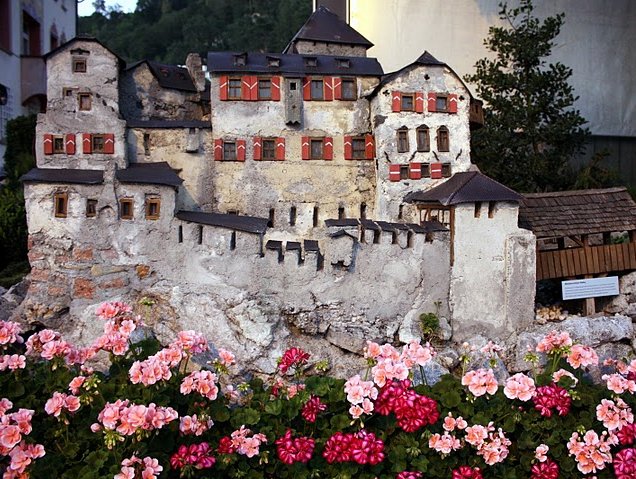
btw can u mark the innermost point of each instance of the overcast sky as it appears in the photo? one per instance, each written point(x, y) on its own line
point(85, 8)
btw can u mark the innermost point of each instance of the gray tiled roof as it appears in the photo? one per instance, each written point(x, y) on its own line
point(64, 175)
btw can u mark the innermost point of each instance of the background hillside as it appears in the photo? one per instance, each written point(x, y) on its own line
point(167, 30)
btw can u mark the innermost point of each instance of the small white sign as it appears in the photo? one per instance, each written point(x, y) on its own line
point(590, 288)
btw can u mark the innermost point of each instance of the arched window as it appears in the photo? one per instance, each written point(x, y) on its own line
point(423, 138)
point(402, 140)
point(443, 143)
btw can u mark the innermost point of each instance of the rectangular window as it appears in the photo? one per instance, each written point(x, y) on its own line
point(292, 216)
point(316, 149)
point(98, 142)
point(79, 65)
point(269, 149)
point(317, 90)
point(315, 217)
point(402, 141)
point(234, 89)
point(441, 103)
point(407, 102)
point(358, 148)
point(68, 91)
point(265, 89)
point(404, 172)
point(84, 101)
point(126, 209)
point(58, 144)
point(348, 89)
point(446, 170)
point(147, 144)
point(60, 201)
point(423, 139)
point(153, 208)
point(442, 139)
point(91, 208)
point(229, 151)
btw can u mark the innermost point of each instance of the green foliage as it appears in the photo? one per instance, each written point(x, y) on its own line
point(18, 159)
point(167, 30)
point(531, 128)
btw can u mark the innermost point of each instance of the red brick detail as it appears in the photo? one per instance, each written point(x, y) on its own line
point(114, 283)
point(82, 254)
point(56, 291)
point(83, 288)
point(39, 274)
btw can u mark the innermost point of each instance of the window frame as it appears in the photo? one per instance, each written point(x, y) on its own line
point(426, 145)
point(230, 155)
point(354, 95)
point(60, 204)
point(317, 141)
point(271, 142)
point(444, 97)
point(152, 201)
point(443, 139)
point(269, 89)
point(85, 95)
point(230, 88)
point(410, 96)
point(62, 149)
point(404, 172)
point(130, 202)
point(95, 140)
point(402, 148)
point(360, 152)
point(322, 89)
point(91, 208)
point(78, 65)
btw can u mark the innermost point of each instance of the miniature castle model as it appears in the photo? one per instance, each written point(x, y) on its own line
point(295, 197)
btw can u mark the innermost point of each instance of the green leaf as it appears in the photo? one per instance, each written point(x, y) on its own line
point(274, 407)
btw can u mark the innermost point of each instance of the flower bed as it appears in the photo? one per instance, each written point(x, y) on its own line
point(151, 416)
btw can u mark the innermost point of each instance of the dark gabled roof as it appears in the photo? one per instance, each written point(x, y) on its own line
point(465, 187)
point(426, 227)
point(311, 245)
point(325, 26)
point(569, 213)
point(149, 173)
point(427, 59)
point(168, 124)
point(84, 38)
point(64, 175)
point(249, 224)
point(168, 76)
point(292, 64)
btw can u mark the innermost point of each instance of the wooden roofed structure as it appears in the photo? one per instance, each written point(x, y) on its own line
point(574, 231)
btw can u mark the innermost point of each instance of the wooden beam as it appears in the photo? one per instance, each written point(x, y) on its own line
point(589, 306)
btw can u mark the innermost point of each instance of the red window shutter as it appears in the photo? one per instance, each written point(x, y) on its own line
point(419, 102)
point(396, 103)
point(394, 172)
point(369, 146)
point(327, 148)
point(275, 88)
point(224, 87)
point(415, 171)
point(240, 150)
point(218, 149)
point(432, 102)
point(246, 81)
point(307, 88)
point(258, 148)
point(69, 143)
point(87, 143)
point(337, 88)
point(109, 143)
point(452, 103)
point(305, 148)
point(280, 148)
point(328, 83)
point(48, 144)
point(348, 148)
point(254, 88)
point(436, 171)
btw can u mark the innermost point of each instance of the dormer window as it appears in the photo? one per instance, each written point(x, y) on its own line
point(240, 60)
point(343, 62)
point(79, 65)
point(273, 62)
point(311, 61)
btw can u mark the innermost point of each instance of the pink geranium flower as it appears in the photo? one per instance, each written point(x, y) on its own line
point(519, 387)
point(582, 356)
point(480, 382)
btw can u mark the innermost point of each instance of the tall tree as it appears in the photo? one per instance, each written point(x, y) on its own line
point(531, 128)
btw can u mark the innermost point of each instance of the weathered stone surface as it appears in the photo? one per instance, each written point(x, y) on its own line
point(625, 302)
point(429, 374)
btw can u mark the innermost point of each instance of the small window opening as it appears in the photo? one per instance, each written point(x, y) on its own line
point(316, 149)
point(269, 150)
point(477, 209)
point(61, 205)
point(441, 103)
point(407, 102)
point(428, 238)
point(85, 101)
point(317, 90)
point(229, 151)
point(358, 148)
point(491, 209)
point(264, 89)
point(343, 62)
point(98, 142)
point(58, 144)
point(363, 211)
point(91, 208)
point(232, 212)
point(200, 239)
point(409, 239)
point(315, 219)
point(401, 212)
point(180, 237)
point(423, 139)
point(443, 143)
point(348, 89)
point(233, 241)
point(292, 86)
point(126, 209)
point(79, 65)
point(341, 213)
point(270, 222)
point(311, 61)
point(446, 170)
point(153, 208)
point(320, 263)
point(292, 216)
point(402, 140)
point(68, 91)
point(147, 144)
point(404, 172)
point(394, 237)
point(376, 236)
point(234, 89)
